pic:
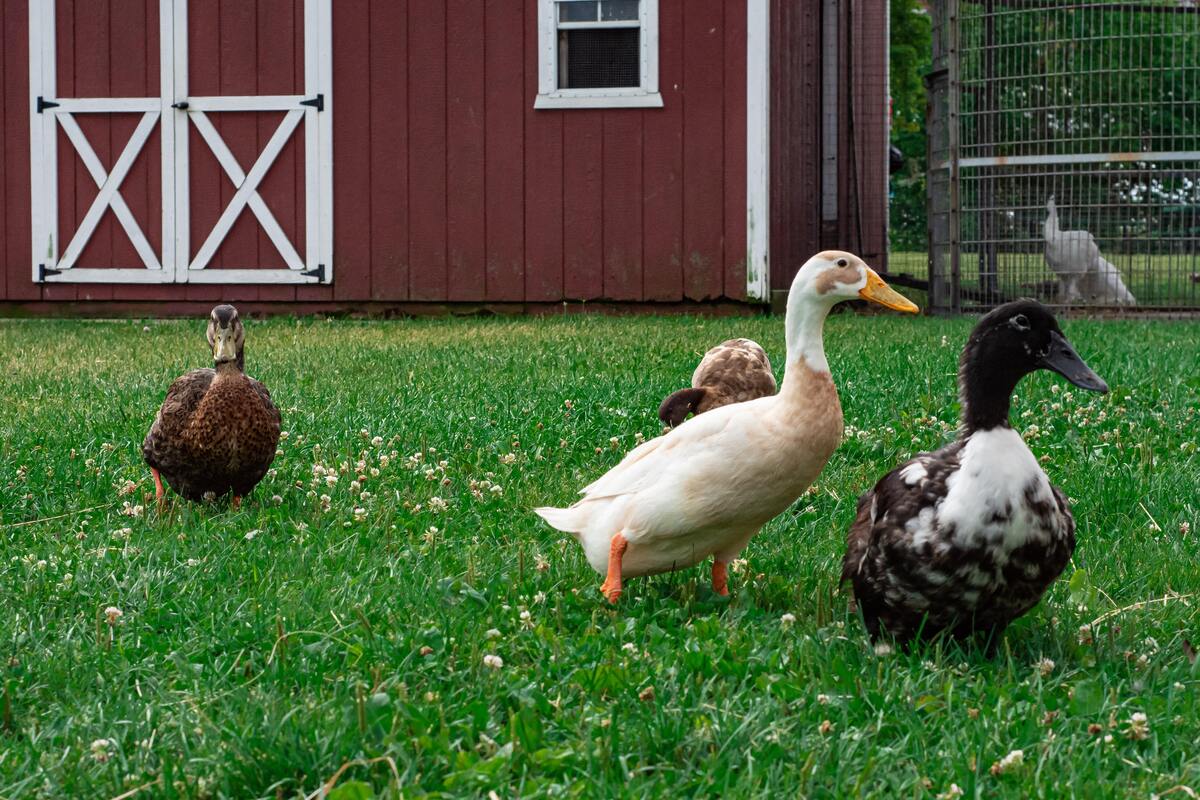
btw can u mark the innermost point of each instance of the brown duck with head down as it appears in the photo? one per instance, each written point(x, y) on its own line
point(734, 371)
point(218, 429)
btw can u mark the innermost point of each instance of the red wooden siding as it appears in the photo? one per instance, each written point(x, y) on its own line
point(448, 185)
point(795, 137)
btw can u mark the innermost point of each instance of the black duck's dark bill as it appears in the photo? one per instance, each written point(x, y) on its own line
point(1063, 359)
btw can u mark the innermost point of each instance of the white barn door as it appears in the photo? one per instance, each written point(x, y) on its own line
point(173, 113)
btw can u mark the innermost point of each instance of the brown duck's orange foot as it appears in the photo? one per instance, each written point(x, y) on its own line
point(160, 493)
point(720, 578)
point(237, 502)
point(612, 586)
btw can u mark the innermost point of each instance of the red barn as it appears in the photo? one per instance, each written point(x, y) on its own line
point(293, 155)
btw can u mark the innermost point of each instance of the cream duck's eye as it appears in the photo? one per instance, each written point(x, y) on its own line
point(1020, 322)
point(841, 262)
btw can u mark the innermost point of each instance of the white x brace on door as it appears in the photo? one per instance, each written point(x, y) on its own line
point(179, 262)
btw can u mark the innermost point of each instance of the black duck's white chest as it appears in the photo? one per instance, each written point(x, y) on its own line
point(998, 500)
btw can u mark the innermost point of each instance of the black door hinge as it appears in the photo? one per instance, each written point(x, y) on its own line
point(43, 271)
point(181, 105)
point(317, 102)
point(43, 104)
point(318, 273)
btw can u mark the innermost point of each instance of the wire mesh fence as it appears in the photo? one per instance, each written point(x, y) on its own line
point(1069, 160)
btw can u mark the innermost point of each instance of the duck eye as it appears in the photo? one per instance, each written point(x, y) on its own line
point(841, 262)
point(1020, 322)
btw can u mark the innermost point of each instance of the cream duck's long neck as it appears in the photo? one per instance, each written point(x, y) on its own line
point(804, 325)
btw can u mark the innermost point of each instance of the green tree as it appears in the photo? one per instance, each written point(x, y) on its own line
point(909, 60)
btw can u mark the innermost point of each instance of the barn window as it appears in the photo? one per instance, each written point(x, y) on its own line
point(598, 54)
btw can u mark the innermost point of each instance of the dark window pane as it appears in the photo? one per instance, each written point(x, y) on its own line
point(584, 11)
point(605, 58)
point(618, 9)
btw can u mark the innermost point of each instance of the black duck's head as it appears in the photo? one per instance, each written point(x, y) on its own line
point(1010, 342)
point(226, 336)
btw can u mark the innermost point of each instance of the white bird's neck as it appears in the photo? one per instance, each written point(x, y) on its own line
point(804, 328)
point(1052, 219)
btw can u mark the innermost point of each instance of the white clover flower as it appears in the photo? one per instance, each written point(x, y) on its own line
point(508, 458)
point(251, 534)
point(493, 661)
point(883, 649)
point(100, 750)
point(128, 487)
point(1045, 667)
point(491, 633)
point(1139, 727)
point(496, 488)
point(1014, 760)
point(824, 699)
point(629, 647)
point(952, 793)
point(331, 480)
point(360, 514)
point(112, 614)
point(539, 598)
point(377, 441)
point(787, 620)
point(438, 504)
point(276, 499)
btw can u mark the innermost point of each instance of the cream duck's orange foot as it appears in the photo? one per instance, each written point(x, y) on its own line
point(720, 578)
point(612, 586)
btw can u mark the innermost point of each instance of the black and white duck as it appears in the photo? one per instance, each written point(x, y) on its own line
point(217, 430)
point(967, 538)
point(734, 371)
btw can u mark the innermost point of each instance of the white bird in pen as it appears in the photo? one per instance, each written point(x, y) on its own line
point(1084, 275)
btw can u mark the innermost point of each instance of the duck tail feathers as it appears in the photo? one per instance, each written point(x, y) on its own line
point(562, 519)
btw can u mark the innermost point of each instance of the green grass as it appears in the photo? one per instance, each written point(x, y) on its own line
point(1155, 280)
point(259, 650)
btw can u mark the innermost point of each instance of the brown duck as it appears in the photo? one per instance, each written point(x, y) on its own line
point(218, 429)
point(734, 371)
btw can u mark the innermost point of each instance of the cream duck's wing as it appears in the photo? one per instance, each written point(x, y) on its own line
point(648, 462)
point(737, 370)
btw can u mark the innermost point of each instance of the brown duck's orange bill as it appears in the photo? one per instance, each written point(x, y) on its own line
point(879, 292)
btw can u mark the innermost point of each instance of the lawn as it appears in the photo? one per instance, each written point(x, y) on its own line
point(1171, 281)
point(345, 611)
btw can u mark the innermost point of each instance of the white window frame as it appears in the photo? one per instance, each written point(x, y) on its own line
point(550, 96)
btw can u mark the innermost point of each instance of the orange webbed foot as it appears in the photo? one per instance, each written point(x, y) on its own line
point(613, 586)
point(160, 494)
point(720, 578)
point(236, 502)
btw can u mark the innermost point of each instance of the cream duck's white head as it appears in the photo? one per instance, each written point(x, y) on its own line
point(825, 280)
point(832, 276)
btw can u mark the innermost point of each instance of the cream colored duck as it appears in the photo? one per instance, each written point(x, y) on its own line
point(706, 487)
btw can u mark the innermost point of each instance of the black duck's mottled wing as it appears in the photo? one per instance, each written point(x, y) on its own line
point(879, 555)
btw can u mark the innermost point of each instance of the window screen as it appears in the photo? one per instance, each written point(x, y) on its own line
point(599, 44)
